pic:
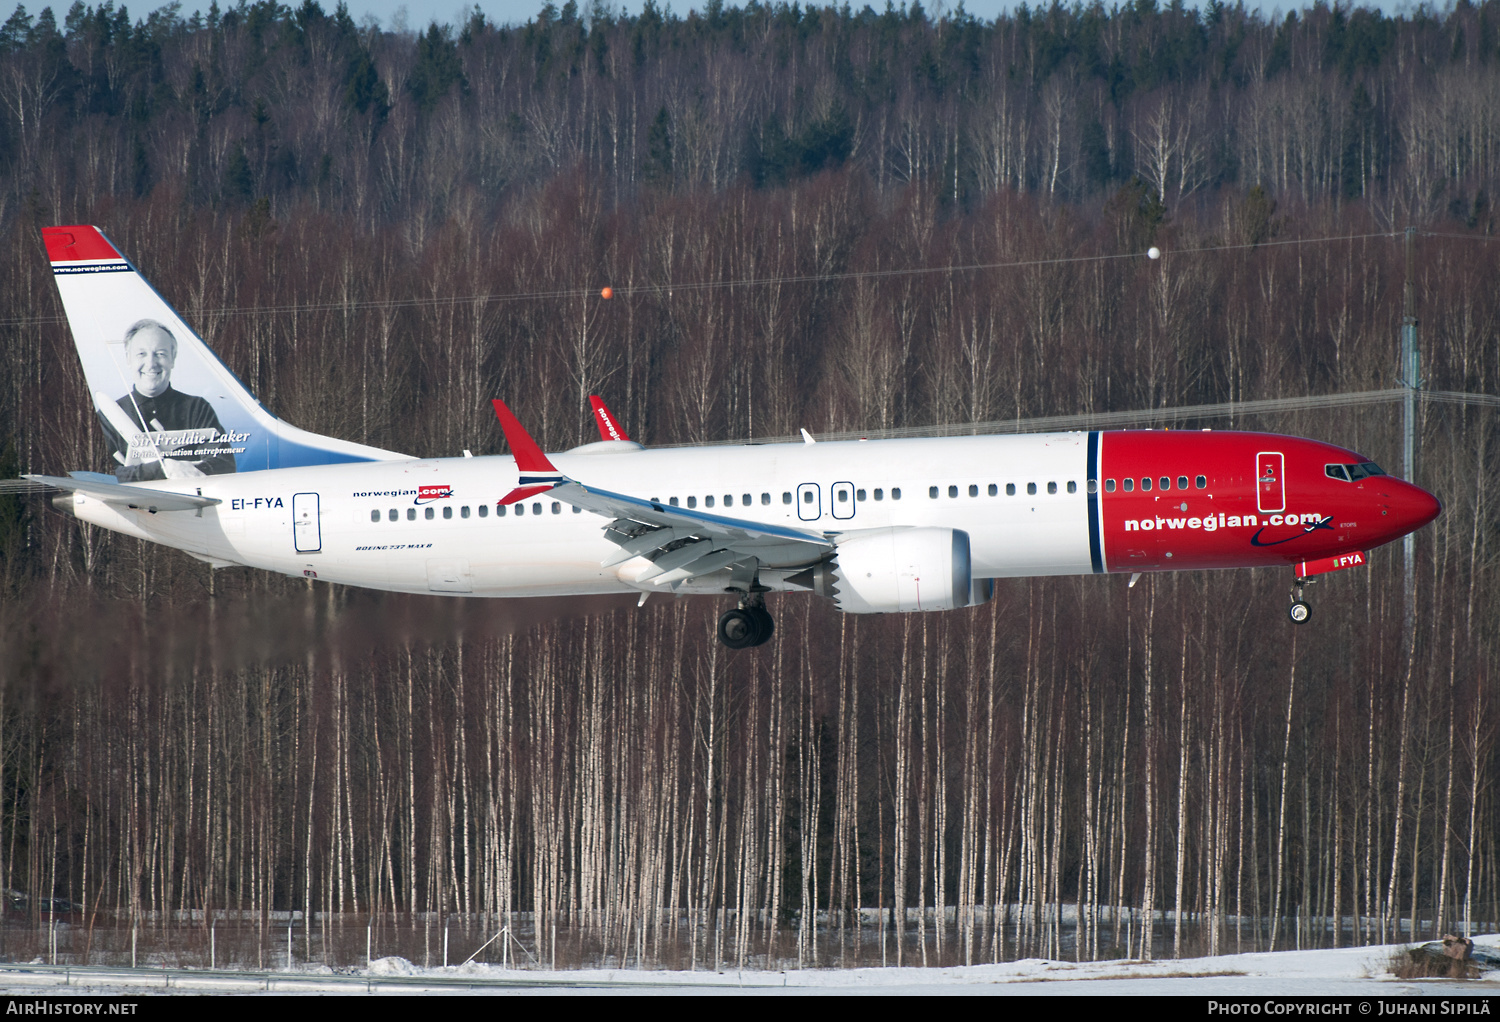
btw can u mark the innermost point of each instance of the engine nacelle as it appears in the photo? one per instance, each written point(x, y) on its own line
point(886, 571)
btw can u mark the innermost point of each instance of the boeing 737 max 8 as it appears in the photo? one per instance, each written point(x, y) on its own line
point(879, 526)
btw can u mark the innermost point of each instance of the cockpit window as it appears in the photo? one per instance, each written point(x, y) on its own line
point(1353, 473)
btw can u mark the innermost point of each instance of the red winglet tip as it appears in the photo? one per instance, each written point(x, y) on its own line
point(520, 493)
point(529, 457)
point(609, 429)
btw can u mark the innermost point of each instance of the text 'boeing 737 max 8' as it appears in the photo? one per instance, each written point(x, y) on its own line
point(879, 526)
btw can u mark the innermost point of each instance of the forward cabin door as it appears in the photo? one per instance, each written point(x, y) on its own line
point(306, 531)
point(1270, 481)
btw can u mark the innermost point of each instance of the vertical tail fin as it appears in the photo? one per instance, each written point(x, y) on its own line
point(169, 407)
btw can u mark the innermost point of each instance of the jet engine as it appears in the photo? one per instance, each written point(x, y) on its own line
point(886, 571)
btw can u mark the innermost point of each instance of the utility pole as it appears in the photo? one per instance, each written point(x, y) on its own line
point(1409, 377)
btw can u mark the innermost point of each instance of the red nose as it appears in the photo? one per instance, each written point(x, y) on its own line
point(1411, 507)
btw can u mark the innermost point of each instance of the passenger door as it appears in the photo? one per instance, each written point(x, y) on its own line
point(809, 502)
point(841, 500)
point(1270, 482)
point(307, 532)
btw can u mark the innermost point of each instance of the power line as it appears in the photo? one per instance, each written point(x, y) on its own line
point(1106, 420)
point(670, 288)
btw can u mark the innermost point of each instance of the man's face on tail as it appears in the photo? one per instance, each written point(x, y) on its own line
point(150, 355)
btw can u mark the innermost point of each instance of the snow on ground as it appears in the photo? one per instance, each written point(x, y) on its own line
point(1352, 972)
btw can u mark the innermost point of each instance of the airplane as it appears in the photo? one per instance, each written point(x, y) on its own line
point(876, 526)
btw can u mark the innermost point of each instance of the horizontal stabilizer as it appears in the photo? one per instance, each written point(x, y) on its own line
point(121, 495)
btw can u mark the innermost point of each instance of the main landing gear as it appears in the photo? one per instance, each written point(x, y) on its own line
point(1300, 610)
point(747, 624)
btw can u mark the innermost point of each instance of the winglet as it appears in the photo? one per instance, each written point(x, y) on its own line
point(609, 429)
point(538, 475)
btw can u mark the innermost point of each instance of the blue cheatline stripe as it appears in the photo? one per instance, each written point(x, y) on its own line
point(1096, 549)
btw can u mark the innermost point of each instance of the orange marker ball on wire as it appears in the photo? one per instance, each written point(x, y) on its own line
point(607, 293)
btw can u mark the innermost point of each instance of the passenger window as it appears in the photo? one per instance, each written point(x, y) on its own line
point(786, 496)
point(411, 514)
point(1031, 489)
point(1201, 482)
point(973, 490)
point(448, 511)
point(465, 512)
point(744, 500)
point(577, 510)
point(1182, 482)
point(1109, 485)
point(994, 489)
point(843, 495)
point(953, 491)
point(375, 516)
point(1010, 489)
point(556, 508)
point(765, 498)
point(1093, 486)
point(429, 513)
point(484, 510)
point(672, 501)
point(499, 510)
point(692, 502)
point(859, 495)
point(1072, 486)
point(932, 492)
point(879, 493)
point(520, 510)
point(708, 501)
point(392, 515)
point(895, 493)
point(1051, 487)
point(1166, 482)
point(1145, 483)
point(536, 508)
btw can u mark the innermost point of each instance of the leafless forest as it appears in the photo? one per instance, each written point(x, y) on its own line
point(379, 231)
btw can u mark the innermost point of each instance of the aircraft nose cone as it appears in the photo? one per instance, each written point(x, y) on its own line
point(1414, 507)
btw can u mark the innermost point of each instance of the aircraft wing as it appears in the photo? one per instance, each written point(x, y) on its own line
point(681, 542)
point(684, 542)
point(127, 495)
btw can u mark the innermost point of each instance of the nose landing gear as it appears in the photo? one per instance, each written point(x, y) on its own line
point(1300, 610)
point(747, 624)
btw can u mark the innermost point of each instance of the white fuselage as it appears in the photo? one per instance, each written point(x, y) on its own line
point(416, 526)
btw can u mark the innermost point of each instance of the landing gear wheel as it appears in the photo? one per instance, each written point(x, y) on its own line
point(744, 627)
point(765, 624)
point(739, 629)
point(1300, 610)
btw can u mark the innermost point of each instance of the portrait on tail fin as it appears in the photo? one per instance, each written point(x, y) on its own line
point(170, 435)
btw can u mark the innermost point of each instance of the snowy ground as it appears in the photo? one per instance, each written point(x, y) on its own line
point(1347, 972)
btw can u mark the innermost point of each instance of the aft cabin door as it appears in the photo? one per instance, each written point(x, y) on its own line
point(306, 531)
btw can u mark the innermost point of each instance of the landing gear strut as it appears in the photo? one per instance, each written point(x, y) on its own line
point(1300, 610)
point(747, 624)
